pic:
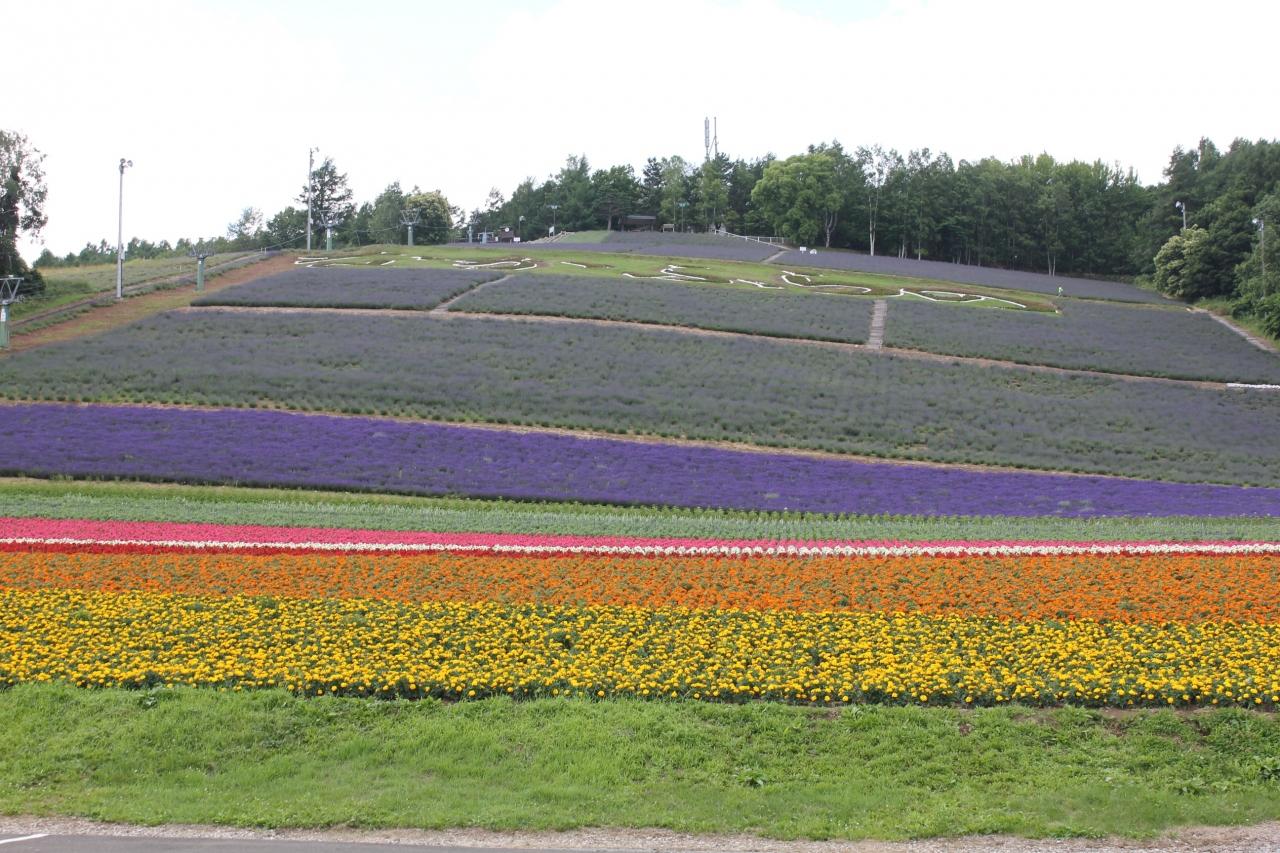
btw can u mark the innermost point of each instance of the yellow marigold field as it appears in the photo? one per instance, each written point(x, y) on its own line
point(468, 649)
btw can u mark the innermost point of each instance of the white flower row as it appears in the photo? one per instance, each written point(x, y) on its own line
point(823, 550)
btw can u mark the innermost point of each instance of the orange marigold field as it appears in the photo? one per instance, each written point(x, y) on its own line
point(1153, 588)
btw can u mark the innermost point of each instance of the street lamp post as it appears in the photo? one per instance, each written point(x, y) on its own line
point(124, 164)
point(520, 228)
point(1183, 208)
point(554, 208)
point(1262, 233)
point(682, 205)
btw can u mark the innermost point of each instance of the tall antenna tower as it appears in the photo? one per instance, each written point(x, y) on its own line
point(706, 136)
point(409, 216)
point(715, 137)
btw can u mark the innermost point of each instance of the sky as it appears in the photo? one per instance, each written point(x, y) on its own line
point(217, 103)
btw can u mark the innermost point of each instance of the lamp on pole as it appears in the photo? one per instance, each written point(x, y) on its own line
point(1183, 208)
point(520, 228)
point(682, 205)
point(554, 208)
point(1262, 234)
point(124, 164)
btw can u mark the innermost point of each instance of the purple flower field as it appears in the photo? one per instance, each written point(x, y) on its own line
point(967, 274)
point(265, 448)
point(346, 287)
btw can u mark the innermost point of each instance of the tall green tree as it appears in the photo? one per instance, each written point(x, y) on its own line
point(435, 216)
point(331, 197)
point(802, 196)
point(615, 191)
point(21, 205)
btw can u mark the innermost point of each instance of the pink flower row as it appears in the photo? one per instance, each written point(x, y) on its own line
point(17, 532)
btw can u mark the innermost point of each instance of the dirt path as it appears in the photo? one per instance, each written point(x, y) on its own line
point(1232, 839)
point(916, 355)
point(116, 314)
point(1249, 336)
point(875, 338)
point(443, 307)
point(775, 256)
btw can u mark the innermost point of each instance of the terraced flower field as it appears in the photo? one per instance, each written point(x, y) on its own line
point(775, 312)
point(1089, 335)
point(666, 382)
point(340, 287)
point(652, 528)
point(1169, 627)
point(283, 449)
point(967, 274)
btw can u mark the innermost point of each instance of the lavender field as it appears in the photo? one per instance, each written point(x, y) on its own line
point(467, 368)
point(966, 274)
point(364, 454)
point(352, 287)
point(779, 313)
point(711, 246)
point(1088, 335)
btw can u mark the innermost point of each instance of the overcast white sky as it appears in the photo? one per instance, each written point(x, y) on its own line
point(217, 103)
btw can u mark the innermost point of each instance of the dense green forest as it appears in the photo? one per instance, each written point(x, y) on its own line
point(1033, 213)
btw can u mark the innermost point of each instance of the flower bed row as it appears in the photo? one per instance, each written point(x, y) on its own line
point(22, 533)
point(468, 650)
point(271, 448)
point(460, 616)
point(1166, 588)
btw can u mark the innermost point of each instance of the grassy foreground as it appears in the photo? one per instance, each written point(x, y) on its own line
point(124, 501)
point(270, 759)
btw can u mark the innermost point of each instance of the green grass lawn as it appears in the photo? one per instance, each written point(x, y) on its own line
point(69, 284)
point(231, 505)
point(718, 273)
point(274, 760)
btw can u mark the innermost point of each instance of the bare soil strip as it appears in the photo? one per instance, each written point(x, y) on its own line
point(875, 339)
point(1235, 839)
point(918, 355)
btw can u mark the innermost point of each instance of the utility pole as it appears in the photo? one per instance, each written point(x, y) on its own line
point(1262, 233)
point(554, 208)
point(124, 164)
point(200, 253)
point(311, 166)
point(1183, 208)
point(682, 205)
point(409, 217)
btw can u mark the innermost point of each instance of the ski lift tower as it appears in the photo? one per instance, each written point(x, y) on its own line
point(329, 222)
point(200, 253)
point(8, 295)
point(409, 217)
